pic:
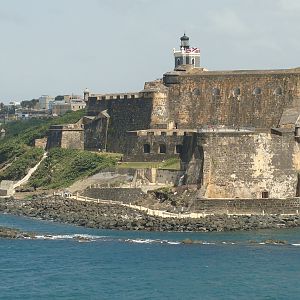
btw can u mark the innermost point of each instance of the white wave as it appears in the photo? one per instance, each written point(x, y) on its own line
point(150, 241)
point(228, 243)
point(208, 243)
point(142, 241)
point(69, 237)
point(173, 243)
point(297, 245)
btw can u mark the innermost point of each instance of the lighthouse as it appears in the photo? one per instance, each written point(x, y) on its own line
point(187, 55)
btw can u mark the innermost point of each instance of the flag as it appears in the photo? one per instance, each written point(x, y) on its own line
point(192, 50)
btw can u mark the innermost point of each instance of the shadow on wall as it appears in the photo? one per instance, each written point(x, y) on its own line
point(192, 160)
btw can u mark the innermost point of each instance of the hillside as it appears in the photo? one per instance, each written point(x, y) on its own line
point(62, 167)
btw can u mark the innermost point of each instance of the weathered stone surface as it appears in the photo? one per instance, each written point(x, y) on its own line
point(123, 218)
point(244, 98)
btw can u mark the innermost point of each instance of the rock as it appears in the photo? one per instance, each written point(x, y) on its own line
point(187, 242)
point(12, 233)
point(275, 242)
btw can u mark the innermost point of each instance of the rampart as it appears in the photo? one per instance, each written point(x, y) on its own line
point(231, 98)
point(66, 136)
point(244, 165)
point(124, 115)
point(247, 206)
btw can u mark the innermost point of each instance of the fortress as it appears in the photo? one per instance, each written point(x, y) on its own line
point(236, 133)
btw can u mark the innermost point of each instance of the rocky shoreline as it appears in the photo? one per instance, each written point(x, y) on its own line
point(13, 233)
point(107, 216)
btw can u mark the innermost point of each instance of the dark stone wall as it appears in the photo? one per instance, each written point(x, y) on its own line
point(94, 135)
point(135, 147)
point(54, 138)
point(125, 115)
point(247, 206)
point(231, 99)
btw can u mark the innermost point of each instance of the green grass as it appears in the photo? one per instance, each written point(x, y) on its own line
point(63, 167)
point(26, 131)
point(169, 164)
point(17, 155)
point(20, 165)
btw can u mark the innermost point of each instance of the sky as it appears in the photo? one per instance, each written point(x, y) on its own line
point(54, 47)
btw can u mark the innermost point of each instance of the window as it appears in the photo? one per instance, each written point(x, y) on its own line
point(146, 148)
point(178, 149)
point(125, 96)
point(132, 96)
point(163, 133)
point(257, 91)
point(265, 194)
point(236, 92)
point(193, 61)
point(278, 91)
point(178, 61)
point(162, 149)
point(216, 92)
point(103, 97)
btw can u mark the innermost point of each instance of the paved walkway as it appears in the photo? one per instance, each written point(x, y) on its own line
point(148, 211)
point(30, 172)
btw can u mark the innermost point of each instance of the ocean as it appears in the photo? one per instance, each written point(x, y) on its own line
point(146, 265)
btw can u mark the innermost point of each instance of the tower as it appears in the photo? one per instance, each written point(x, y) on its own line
point(86, 94)
point(187, 55)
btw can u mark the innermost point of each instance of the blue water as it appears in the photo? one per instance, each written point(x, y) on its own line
point(142, 265)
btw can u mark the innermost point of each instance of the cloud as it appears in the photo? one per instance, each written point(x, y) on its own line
point(11, 18)
point(291, 6)
point(228, 22)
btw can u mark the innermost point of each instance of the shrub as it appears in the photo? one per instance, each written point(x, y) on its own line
point(62, 167)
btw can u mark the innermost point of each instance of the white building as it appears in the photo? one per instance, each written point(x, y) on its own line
point(45, 102)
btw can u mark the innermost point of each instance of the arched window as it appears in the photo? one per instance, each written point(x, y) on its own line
point(236, 92)
point(257, 91)
point(196, 92)
point(278, 91)
point(162, 149)
point(216, 92)
point(193, 61)
point(146, 148)
point(178, 61)
point(178, 149)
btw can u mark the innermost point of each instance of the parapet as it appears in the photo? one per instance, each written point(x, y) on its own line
point(128, 95)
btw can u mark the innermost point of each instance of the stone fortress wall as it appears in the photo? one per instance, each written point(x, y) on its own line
point(236, 98)
point(236, 132)
point(244, 165)
point(125, 114)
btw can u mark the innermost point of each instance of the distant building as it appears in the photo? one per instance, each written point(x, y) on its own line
point(63, 104)
point(25, 113)
point(45, 102)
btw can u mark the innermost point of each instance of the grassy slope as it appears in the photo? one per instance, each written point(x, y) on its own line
point(63, 167)
point(16, 153)
point(169, 164)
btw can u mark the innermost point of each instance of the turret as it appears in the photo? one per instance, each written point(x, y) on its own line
point(187, 55)
point(86, 94)
point(185, 42)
